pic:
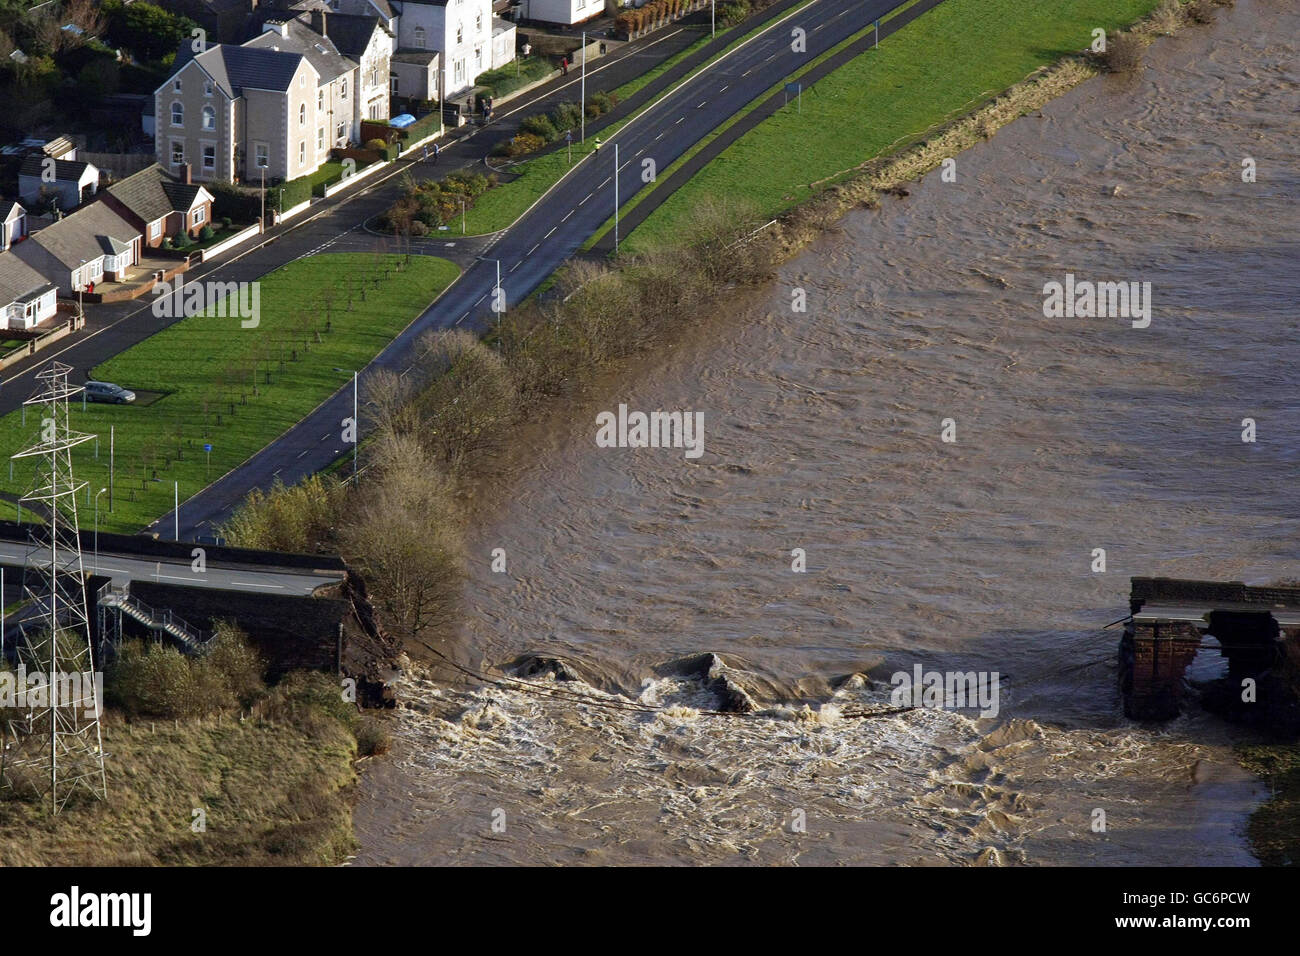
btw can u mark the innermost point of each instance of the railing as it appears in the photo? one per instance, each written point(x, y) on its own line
point(157, 619)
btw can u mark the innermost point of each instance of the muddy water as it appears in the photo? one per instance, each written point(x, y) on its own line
point(822, 432)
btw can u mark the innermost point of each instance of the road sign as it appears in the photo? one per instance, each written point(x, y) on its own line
point(207, 448)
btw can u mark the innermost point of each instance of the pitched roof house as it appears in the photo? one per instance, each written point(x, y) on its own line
point(67, 182)
point(27, 298)
point(87, 246)
point(13, 223)
point(160, 205)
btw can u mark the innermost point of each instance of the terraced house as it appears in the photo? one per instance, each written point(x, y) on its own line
point(275, 105)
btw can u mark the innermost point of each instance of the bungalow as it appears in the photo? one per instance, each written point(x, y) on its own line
point(87, 246)
point(160, 205)
point(13, 223)
point(67, 182)
point(26, 297)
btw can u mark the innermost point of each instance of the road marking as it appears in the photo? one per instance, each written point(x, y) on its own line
point(548, 235)
point(659, 137)
point(516, 265)
point(747, 72)
point(301, 453)
point(254, 584)
point(565, 219)
point(533, 249)
point(602, 185)
point(679, 119)
point(584, 199)
point(701, 106)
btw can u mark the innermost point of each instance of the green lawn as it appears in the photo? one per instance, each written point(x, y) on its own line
point(514, 76)
point(937, 67)
point(204, 366)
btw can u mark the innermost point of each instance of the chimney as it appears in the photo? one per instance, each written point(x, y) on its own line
point(184, 173)
point(318, 22)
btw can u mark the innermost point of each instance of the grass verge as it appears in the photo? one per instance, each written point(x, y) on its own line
point(949, 60)
point(235, 388)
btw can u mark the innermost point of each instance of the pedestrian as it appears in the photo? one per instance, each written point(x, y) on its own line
point(91, 290)
point(426, 154)
point(597, 153)
point(564, 66)
point(435, 154)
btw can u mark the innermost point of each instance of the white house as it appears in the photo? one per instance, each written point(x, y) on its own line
point(68, 182)
point(461, 31)
point(27, 298)
point(90, 245)
point(13, 223)
point(561, 11)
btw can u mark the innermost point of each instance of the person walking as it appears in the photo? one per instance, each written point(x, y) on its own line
point(435, 154)
point(426, 154)
point(564, 66)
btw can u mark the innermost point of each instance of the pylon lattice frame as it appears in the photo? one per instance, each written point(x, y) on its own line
point(56, 747)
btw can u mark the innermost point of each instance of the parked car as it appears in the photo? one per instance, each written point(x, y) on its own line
point(108, 392)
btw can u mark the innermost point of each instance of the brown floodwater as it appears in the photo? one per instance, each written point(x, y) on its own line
point(823, 432)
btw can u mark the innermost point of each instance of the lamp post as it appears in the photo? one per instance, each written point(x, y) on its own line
point(496, 293)
point(584, 86)
point(81, 285)
point(713, 18)
point(262, 167)
point(97, 494)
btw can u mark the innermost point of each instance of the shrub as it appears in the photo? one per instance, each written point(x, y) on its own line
point(226, 222)
point(1123, 53)
point(376, 144)
point(567, 116)
point(181, 240)
point(733, 12)
point(524, 143)
point(373, 738)
point(539, 126)
point(206, 233)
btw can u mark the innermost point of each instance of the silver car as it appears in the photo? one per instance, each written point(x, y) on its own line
point(108, 392)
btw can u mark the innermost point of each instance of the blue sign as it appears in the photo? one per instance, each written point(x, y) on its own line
point(793, 87)
point(207, 448)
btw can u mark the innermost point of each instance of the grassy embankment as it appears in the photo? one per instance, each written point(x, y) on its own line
point(232, 387)
point(268, 770)
point(945, 64)
point(499, 207)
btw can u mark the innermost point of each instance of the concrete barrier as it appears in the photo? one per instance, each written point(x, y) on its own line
point(352, 180)
point(227, 244)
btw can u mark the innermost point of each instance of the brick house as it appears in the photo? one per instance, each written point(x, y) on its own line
point(160, 205)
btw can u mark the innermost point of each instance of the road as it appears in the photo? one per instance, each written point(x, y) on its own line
point(123, 568)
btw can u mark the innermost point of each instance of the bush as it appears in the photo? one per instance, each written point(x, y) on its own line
point(181, 240)
point(539, 126)
point(378, 145)
point(1123, 53)
point(162, 682)
point(206, 233)
point(733, 12)
point(373, 738)
point(524, 143)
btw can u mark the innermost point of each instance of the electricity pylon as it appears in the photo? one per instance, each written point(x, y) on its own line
point(55, 746)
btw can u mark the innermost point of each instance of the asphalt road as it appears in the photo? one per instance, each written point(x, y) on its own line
point(550, 233)
point(122, 568)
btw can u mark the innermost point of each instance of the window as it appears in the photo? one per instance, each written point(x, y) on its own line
point(198, 217)
point(478, 23)
point(302, 153)
point(478, 59)
point(155, 229)
point(419, 37)
point(343, 92)
point(460, 33)
point(209, 156)
point(340, 133)
point(207, 87)
point(209, 118)
point(176, 85)
point(260, 151)
point(178, 114)
point(178, 152)
point(302, 114)
point(320, 100)
point(320, 139)
point(393, 88)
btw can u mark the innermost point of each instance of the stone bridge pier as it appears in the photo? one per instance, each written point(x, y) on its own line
point(1170, 622)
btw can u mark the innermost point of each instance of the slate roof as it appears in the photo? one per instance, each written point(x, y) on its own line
point(319, 51)
point(64, 170)
point(19, 281)
point(88, 233)
point(234, 68)
point(152, 194)
point(351, 34)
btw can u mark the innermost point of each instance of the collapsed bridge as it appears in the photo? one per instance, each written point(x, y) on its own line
point(1256, 629)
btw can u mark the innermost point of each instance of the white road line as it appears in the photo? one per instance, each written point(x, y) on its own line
point(301, 453)
point(679, 119)
point(533, 249)
point(659, 137)
point(516, 265)
point(747, 72)
point(584, 199)
point(254, 584)
point(567, 215)
point(548, 235)
point(725, 88)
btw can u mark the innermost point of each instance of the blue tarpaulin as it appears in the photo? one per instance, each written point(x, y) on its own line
point(403, 121)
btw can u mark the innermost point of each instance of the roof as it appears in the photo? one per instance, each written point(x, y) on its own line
point(152, 193)
point(88, 233)
point(422, 57)
point(19, 281)
point(236, 68)
point(320, 52)
point(351, 34)
point(64, 170)
point(7, 207)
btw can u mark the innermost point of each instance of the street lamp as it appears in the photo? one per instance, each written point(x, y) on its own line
point(262, 167)
point(584, 86)
point(97, 494)
point(496, 293)
point(356, 423)
point(81, 285)
point(713, 18)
